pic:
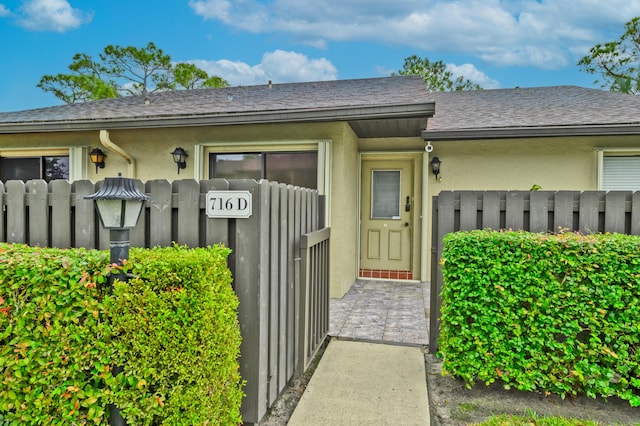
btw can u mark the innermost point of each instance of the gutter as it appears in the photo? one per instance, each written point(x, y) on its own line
point(105, 140)
point(532, 132)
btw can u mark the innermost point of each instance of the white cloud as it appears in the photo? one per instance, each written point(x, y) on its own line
point(51, 15)
point(278, 66)
point(473, 74)
point(4, 11)
point(544, 33)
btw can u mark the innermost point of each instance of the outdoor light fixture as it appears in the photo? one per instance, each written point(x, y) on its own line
point(119, 204)
point(435, 166)
point(97, 157)
point(180, 157)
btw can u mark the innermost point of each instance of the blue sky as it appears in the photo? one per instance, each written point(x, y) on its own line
point(496, 43)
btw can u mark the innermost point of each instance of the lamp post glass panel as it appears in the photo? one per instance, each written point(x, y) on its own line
point(119, 204)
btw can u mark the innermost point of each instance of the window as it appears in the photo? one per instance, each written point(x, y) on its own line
point(621, 173)
point(295, 168)
point(26, 168)
point(385, 194)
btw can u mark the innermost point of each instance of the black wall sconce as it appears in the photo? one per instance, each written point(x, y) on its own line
point(435, 166)
point(97, 157)
point(180, 158)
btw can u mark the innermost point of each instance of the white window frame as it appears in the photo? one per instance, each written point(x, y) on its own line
point(611, 152)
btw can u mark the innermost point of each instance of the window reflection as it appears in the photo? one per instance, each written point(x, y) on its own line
point(28, 168)
point(294, 168)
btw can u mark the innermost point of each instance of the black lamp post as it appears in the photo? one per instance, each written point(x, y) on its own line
point(119, 204)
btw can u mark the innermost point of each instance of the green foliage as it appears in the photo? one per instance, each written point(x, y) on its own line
point(435, 75)
point(124, 71)
point(618, 62)
point(54, 340)
point(534, 420)
point(173, 329)
point(547, 313)
point(178, 338)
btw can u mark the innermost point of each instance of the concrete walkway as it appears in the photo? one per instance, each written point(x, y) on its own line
point(372, 371)
point(360, 383)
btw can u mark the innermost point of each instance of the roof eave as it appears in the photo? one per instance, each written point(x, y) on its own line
point(532, 132)
point(426, 109)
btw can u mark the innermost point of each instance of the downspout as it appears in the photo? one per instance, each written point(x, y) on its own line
point(107, 143)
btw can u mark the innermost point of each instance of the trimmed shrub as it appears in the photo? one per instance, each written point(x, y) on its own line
point(178, 338)
point(173, 328)
point(55, 341)
point(550, 313)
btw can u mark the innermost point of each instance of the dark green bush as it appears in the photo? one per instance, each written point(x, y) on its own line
point(547, 313)
point(173, 329)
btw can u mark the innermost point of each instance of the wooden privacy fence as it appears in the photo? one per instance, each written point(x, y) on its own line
point(536, 211)
point(279, 262)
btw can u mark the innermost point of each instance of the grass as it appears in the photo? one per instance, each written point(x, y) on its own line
point(534, 420)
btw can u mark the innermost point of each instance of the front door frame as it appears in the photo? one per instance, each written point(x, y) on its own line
point(419, 215)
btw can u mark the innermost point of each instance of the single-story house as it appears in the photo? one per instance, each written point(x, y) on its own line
point(368, 144)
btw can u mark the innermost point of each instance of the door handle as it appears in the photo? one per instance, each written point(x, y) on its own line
point(406, 224)
point(407, 207)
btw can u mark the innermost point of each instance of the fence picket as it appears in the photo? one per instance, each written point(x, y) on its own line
point(60, 213)
point(614, 212)
point(160, 212)
point(635, 214)
point(563, 210)
point(188, 212)
point(291, 281)
point(216, 230)
point(468, 210)
point(37, 201)
point(539, 211)
point(490, 210)
point(589, 212)
point(274, 288)
point(16, 212)
point(138, 234)
point(514, 218)
point(2, 213)
point(283, 341)
point(85, 217)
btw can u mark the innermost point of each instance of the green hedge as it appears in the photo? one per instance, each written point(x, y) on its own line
point(173, 329)
point(178, 339)
point(546, 313)
point(54, 335)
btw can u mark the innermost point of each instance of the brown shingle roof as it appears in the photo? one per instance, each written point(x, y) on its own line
point(538, 111)
point(530, 108)
point(323, 95)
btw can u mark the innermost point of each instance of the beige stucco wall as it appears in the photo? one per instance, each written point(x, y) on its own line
point(151, 150)
point(344, 212)
point(563, 163)
point(553, 163)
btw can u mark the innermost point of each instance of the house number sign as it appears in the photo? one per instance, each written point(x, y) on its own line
point(229, 204)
